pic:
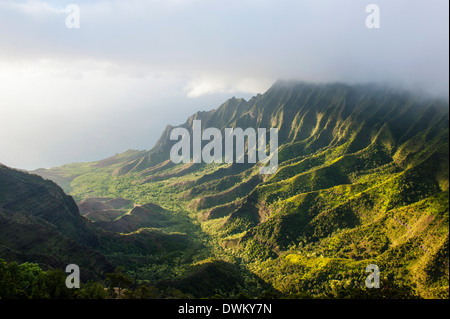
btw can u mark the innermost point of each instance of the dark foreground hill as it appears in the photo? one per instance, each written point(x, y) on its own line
point(362, 179)
point(39, 223)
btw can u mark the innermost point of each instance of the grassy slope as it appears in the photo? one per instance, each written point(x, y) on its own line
point(363, 178)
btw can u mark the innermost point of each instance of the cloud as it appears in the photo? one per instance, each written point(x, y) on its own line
point(210, 85)
point(247, 39)
point(31, 7)
point(136, 65)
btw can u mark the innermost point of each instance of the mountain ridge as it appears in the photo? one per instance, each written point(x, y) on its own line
point(351, 158)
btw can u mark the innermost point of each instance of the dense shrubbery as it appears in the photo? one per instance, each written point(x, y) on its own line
point(28, 280)
point(208, 279)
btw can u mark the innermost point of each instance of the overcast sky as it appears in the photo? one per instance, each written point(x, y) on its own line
point(134, 66)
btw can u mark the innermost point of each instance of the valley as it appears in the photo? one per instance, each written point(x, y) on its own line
point(362, 179)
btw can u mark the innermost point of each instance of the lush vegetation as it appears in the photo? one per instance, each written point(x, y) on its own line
point(362, 179)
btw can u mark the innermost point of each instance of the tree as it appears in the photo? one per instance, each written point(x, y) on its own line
point(92, 290)
point(119, 281)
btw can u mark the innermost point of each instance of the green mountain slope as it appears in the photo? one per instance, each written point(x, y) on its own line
point(362, 179)
point(41, 224)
